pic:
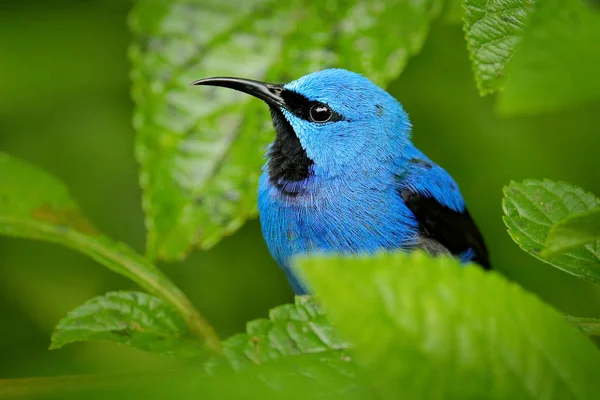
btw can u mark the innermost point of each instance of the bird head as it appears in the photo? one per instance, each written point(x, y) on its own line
point(328, 123)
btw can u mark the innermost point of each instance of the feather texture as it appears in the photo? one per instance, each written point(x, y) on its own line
point(343, 175)
point(360, 185)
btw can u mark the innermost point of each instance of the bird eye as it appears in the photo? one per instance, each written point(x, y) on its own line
point(320, 113)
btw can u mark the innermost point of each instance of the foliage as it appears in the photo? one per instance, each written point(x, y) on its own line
point(301, 328)
point(201, 150)
point(531, 209)
point(130, 318)
point(540, 53)
point(409, 325)
point(574, 231)
point(555, 66)
point(493, 32)
point(425, 325)
point(321, 379)
point(45, 211)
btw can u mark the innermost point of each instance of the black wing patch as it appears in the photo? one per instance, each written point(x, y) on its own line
point(454, 230)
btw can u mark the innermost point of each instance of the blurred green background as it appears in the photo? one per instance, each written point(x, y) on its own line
point(65, 106)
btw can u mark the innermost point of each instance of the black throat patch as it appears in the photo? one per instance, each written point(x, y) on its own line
point(288, 161)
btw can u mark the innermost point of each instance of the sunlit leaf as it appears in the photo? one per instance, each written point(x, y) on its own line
point(493, 31)
point(557, 64)
point(321, 376)
point(532, 207)
point(574, 231)
point(424, 327)
point(130, 318)
point(36, 205)
point(294, 353)
point(201, 149)
point(300, 348)
point(291, 329)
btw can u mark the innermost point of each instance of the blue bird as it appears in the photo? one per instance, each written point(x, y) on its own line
point(342, 175)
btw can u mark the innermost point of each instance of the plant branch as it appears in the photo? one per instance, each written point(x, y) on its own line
point(125, 261)
point(589, 326)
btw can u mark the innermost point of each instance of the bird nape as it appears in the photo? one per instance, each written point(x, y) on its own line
point(343, 176)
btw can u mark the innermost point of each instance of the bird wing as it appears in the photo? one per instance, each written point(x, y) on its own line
point(444, 223)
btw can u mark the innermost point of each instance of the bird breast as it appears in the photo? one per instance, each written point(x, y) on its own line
point(339, 216)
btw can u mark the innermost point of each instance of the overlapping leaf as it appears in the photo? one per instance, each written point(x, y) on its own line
point(574, 231)
point(130, 318)
point(201, 149)
point(424, 327)
point(36, 205)
point(532, 207)
point(297, 335)
point(296, 348)
point(494, 29)
point(291, 329)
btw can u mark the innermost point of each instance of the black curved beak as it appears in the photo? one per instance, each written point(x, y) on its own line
point(268, 92)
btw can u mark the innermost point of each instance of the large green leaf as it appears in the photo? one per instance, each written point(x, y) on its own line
point(291, 329)
point(532, 207)
point(424, 327)
point(130, 318)
point(201, 149)
point(557, 64)
point(572, 232)
point(493, 31)
point(36, 205)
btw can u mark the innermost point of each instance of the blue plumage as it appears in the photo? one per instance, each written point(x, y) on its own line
point(343, 175)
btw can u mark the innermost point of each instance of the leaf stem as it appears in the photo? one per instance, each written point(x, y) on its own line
point(589, 326)
point(154, 281)
point(79, 386)
point(123, 260)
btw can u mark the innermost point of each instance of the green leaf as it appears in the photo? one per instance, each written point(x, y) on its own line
point(572, 232)
point(201, 149)
point(36, 205)
point(131, 318)
point(493, 29)
point(532, 207)
point(557, 64)
point(302, 377)
point(301, 351)
point(291, 329)
point(589, 326)
point(309, 376)
point(424, 327)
